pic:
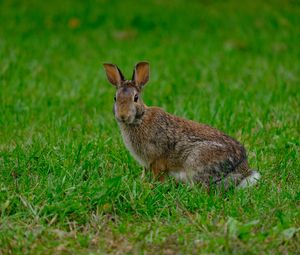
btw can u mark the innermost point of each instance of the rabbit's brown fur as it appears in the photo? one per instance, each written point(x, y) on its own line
point(167, 144)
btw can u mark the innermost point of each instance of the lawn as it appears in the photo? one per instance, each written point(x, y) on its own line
point(67, 183)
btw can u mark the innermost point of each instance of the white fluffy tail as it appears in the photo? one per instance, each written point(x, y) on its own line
point(249, 180)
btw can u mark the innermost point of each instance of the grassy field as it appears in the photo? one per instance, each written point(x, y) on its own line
point(67, 183)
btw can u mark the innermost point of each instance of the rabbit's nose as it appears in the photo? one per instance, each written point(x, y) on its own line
point(123, 117)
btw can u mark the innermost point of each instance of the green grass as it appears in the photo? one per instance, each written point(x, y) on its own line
point(67, 183)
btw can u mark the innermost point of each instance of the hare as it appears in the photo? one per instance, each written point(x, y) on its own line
point(169, 145)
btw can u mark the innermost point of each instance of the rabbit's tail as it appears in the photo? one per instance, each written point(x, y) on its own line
point(250, 180)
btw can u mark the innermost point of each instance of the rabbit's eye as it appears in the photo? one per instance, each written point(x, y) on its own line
point(136, 98)
point(115, 98)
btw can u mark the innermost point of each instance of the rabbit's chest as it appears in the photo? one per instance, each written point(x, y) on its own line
point(138, 150)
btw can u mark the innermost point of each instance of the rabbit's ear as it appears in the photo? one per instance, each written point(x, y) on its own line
point(141, 73)
point(114, 74)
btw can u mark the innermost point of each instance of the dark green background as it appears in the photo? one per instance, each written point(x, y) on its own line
point(67, 183)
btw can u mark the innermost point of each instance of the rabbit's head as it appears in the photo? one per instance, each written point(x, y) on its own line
point(128, 107)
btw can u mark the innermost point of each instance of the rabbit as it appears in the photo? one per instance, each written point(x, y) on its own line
point(169, 145)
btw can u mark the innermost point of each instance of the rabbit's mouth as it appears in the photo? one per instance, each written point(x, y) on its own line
point(126, 120)
point(131, 119)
